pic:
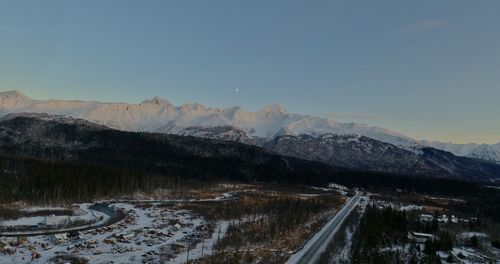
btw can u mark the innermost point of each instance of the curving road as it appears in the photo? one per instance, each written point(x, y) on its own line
point(114, 217)
point(318, 243)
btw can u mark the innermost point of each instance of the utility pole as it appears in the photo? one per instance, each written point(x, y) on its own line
point(214, 245)
point(202, 243)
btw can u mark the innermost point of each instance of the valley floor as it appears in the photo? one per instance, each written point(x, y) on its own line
point(251, 223)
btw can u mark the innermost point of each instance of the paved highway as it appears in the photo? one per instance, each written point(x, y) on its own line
point(318, 243)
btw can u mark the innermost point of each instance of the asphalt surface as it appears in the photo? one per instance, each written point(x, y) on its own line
point(318, 243)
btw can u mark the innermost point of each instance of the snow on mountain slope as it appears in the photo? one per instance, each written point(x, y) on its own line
point(226, 133)
point(478, 151)
point(158, 115)
point(352, 151)
point(366, 154)
point(12, 100)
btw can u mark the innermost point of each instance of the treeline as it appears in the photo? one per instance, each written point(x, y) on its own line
point(382, 238)
point(94, 161)
point(277, 217)
point(443, 242)
point(382, 182)
point(289, 209)
point(379, 228)
point(158, 154)
point(42, 181)
point(486, 206)
point(280, 222)
point(34, 179)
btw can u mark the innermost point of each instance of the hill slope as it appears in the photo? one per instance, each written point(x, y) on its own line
point(366, 154)
point(66, 139)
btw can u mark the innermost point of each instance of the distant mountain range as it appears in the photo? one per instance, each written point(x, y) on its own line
point(75, 141)
point(350, 145)
point(478, 151)
point(45, 156)
point(68, 139)
point(159, 115)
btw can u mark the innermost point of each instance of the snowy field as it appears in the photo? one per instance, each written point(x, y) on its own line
point(149, 233)
point(82, 214)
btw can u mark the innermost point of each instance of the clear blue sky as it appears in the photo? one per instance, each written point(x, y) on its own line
point(428, 69)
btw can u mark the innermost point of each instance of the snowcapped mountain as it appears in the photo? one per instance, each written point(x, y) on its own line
point(478, 151)
point(366, 154)
point(353, 152)
point(225, 133)
point(234, 123)
point(66, 138)
point(159, 115)
point(272, 128)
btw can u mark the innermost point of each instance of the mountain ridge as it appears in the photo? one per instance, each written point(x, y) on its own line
point(65, 138)
point(161, 116)
point(153, 115)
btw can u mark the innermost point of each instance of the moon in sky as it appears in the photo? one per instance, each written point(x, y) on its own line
point(237, 89)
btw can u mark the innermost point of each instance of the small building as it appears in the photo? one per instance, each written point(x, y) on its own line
point(422, 237)
point(59, 238)
point(128, 236)
point(337, 187)
point(9, 250)
point(73, 234)
point(21, 240)
point(109, 241)
point(3, 244)
point(426, 218)
point(443, 219)
point(56, 220)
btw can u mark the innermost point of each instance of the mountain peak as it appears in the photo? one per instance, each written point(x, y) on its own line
point(157, 101)
point(192, 107)
point(13, 99)
point(159, 115)
point(274, 108)
point(13, 94)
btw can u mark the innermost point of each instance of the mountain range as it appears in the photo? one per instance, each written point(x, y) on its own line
point(479, 151)
point(58, 156)
point(159, 115)
point(349, 145)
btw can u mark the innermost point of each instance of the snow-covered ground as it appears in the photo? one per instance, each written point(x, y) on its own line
point(149, 233)
point(38, 208)
point(82, 215)
point(398, 206)
point(23, 221)
point(469, 256)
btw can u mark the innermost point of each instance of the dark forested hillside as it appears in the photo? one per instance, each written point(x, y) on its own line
point(189, 157)
point(59, 158)
point(366, 154)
